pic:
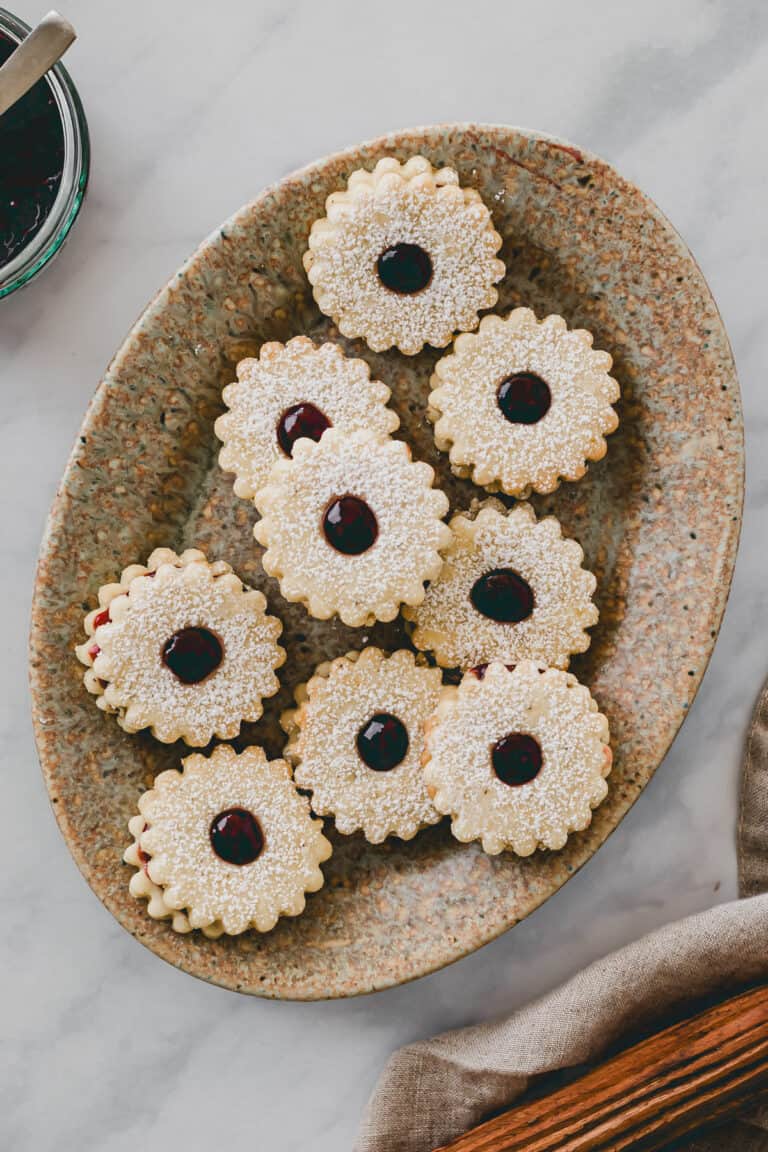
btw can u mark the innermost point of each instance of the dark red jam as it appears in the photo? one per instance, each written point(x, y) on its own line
point(516, 758)
point(144, 858)
point(503, 595)
point(236, 836)
point(93, 651)
point(405, 269)
point(192, 654)
point(31, 163)
point(101, 618)
point(302, 421)
point(480, 670)
point(524, 398)
point(382, 742)
point(350, 525)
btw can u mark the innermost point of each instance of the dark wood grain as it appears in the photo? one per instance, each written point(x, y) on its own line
point(690, 1076)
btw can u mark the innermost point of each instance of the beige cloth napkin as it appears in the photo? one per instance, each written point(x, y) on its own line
point(432, 1091)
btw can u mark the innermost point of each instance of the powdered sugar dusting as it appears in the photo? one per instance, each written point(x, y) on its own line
point(409, 204)
point(335, 704)
point(408, 510)
point(145, 693)
point(179, 811)
point(518, 457)
point(286, 375)
point(460, 636)
point(561, 715)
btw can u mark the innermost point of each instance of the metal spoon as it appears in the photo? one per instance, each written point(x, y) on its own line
point(45, 44)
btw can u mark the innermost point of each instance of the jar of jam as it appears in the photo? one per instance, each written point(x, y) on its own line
point(44, 158)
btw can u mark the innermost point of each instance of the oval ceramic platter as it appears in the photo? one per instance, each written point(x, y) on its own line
point(658, 518)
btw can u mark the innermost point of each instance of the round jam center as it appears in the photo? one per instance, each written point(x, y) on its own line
point(192, 654)
point(502, 595)
point(524, 398)
point(382, 742)
point(302, 421)
point(236, 836)
point(404, 268)
point(350, 526)
point(516, 758)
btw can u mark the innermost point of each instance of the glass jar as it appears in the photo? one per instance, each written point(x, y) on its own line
point(46, 239)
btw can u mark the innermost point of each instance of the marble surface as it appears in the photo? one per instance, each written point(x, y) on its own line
point(104, 1047)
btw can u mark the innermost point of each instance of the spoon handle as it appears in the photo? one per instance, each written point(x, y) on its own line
point(45, 44)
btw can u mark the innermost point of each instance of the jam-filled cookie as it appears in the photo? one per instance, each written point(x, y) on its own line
point(522, 403)
point(291, 391)
point(357, 738)
point(352, 525)
point(182, 647)
point(511, 588)
point(404, 257)
point(226, 845)
point(517, 757)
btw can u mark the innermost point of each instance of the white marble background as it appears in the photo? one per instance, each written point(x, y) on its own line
point(193, 108)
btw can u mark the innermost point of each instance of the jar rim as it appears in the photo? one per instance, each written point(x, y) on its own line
point(74, 178)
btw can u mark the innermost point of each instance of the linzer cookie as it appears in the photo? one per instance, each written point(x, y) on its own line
point(291, 391)
point(511, 588)
point(180, 646)
point(227, 845)
point(517, 757)
point(523, 403)
point(357, 738)
point(352, 525)
point(404, 257)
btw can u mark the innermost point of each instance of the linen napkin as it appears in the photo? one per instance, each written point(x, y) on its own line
point(432, 1091)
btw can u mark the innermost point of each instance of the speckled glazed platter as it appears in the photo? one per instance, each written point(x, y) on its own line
point(658, 518)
